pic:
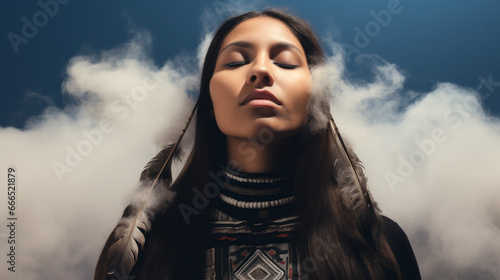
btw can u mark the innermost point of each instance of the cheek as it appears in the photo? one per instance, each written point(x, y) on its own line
point(302, 96)
point(221, 94)
point(217, 92)
point(307, 92)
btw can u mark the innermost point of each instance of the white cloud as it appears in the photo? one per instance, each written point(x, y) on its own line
point(432, 164)
point(74, 167)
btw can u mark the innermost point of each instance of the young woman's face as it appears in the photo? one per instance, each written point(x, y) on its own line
point(261, 81)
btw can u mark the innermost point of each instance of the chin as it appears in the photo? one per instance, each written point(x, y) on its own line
point(264, 128)
point(272, 131)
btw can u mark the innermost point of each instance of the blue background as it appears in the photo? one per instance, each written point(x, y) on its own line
point(430, 41)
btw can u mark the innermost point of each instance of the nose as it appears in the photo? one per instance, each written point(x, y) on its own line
point(260, 74)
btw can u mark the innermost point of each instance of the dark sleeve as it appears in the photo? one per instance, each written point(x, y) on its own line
point(401, 247)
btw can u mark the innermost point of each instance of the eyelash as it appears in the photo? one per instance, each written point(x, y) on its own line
point(281, 65)
point(286, 66)
point(235, 64)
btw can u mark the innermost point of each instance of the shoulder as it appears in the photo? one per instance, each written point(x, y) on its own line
point(400, 245)
point(395, 234)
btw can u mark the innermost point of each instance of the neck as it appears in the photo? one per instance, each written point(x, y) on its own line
point(253, 156)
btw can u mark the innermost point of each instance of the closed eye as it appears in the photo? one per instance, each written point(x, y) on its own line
point(285, 66)
point(235, 64)
point(281, 65)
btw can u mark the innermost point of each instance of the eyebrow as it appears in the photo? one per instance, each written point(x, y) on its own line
point(248, 45)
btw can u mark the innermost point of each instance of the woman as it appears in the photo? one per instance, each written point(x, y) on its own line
point(268, 191)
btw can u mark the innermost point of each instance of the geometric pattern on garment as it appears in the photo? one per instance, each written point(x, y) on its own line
point(259, 267)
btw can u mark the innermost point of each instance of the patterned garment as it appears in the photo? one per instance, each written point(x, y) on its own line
point(251, 241)
point(248, 251)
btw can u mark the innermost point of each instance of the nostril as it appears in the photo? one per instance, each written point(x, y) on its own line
point(253, 78)
point(266, 78)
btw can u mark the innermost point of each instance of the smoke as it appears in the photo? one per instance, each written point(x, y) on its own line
point(75, 167)
point(431, 159)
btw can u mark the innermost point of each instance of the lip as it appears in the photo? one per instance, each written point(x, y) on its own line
point(260, 94)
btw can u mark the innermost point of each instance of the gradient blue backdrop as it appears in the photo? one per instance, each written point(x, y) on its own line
point(431, 41)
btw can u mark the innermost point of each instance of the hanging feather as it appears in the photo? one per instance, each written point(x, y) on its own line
point(128, 238)
point(129, 234)
point(351, 177)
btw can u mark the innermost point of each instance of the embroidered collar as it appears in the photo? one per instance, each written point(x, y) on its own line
point(255, 190)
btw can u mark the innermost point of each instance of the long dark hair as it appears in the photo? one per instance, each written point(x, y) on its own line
point(334, 241)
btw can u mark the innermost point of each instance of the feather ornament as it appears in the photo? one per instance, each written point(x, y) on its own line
point(350, 176)
point(128, 237)
point(124, 252)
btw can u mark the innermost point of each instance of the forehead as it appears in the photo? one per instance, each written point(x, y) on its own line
point(262, 30)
